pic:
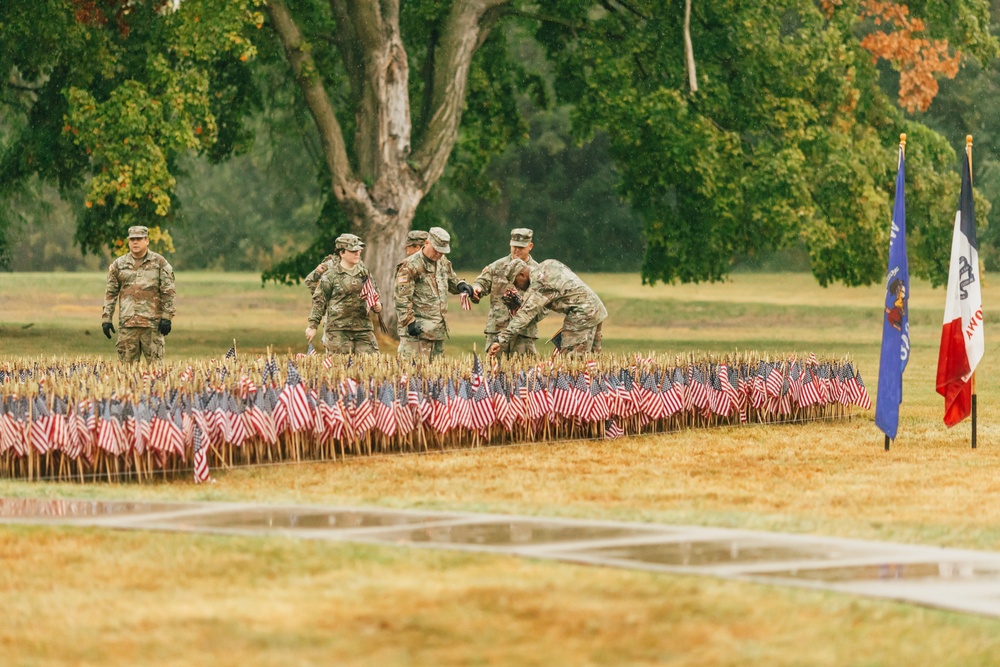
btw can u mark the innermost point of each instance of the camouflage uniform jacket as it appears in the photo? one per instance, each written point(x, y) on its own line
point(143, 289)
point(555, 287)
point(422, 288)
point(493, 281)
point(312, 280)
point(338, 296)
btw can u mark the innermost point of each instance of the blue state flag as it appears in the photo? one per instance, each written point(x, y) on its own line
point(895, 322)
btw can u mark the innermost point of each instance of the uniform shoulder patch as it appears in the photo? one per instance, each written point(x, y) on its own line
point(404, 279)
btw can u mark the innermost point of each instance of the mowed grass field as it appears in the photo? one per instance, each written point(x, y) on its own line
point(101, 597)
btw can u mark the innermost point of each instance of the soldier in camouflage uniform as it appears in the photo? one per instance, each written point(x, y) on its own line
point(348, 330)
point(312, 280)
point(414, 242)
point(142, 284)
point(423, 281)
point(496, 281)
point(551, 285)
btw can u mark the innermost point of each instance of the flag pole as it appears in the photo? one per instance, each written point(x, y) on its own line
point(968, 156)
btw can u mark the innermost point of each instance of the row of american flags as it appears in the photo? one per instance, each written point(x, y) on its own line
point(88, 418)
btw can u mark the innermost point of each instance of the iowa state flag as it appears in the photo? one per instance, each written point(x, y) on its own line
point(896, 322)
point(962, 340)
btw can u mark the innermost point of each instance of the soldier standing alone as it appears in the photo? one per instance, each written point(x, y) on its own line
point(338, 295)
point(495, 281)
point(552, 285)
point(141, 283)
point(423, 282)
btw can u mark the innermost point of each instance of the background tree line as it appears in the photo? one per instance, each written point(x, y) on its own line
point(584, 120)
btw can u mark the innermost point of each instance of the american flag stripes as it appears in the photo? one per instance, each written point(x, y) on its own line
point(361, 406)
point(368, 293)
point(200, 456)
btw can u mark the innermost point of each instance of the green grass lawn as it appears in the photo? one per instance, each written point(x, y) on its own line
point(114, 598)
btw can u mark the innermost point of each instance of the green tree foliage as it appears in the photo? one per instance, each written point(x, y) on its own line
point(566, 193)
point(112, 92)
point(788, 139)
point(970, 104)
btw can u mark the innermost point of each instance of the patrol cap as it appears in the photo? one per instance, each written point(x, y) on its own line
point(514, 268)
point(138, 232)
point(440, 239)
point(415, 237)
point(348, 242)
point(521, 237)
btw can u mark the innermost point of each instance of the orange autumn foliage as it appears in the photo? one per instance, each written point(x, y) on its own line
point(918, 60)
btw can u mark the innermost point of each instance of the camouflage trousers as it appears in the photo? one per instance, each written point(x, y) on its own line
point(412, 348)
point(136, 342)
point(516, 345)
point(586, 341)
point(350, 342)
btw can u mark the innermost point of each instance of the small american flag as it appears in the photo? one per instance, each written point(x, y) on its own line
point(201, 473)
point(466, 301)
point(864, 400)
point(612, 429)
point(369, 293)
point(310, 350)
point(231, 354)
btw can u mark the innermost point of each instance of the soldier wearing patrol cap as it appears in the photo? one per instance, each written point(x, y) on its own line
point(552, 285)
point(413, 244)
point(423, 281)
point(414, 241)
point(141, 283)
point(338, 296)
point(497, 281)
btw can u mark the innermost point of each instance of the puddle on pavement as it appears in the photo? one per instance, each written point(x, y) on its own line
point(300, 518)
point(723, 552)
point(42, 508)
point(943, 571)
point(507, 534)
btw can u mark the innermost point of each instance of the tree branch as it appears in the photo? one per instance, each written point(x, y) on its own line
point(541, 18)
point(347, 45)
point(459, 40)
point(428, 76)
point(309, 80)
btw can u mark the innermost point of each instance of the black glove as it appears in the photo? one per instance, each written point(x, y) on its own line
point(466, 288)
point(413, 329)
point(512, 299)
point(108, 329)
point(164, 327)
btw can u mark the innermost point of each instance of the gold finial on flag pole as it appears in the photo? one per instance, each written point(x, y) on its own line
point(968, 153)
point(902, 141)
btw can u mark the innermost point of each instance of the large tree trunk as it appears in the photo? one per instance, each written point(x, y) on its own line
point(381, 187)
point(384, 235)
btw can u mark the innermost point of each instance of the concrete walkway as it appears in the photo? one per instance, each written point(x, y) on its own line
point(956, 579)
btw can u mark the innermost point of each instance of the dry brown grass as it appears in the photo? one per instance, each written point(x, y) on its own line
point(172, 599)
point(105, 598)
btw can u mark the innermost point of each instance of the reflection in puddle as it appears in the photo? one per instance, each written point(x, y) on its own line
point(28, 508)
point(508, 533)
point(887, 571)
point(300, 518)
point(720, 552)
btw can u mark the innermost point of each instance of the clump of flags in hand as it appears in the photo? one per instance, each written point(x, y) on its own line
point(369, 294)
point(90, 419)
